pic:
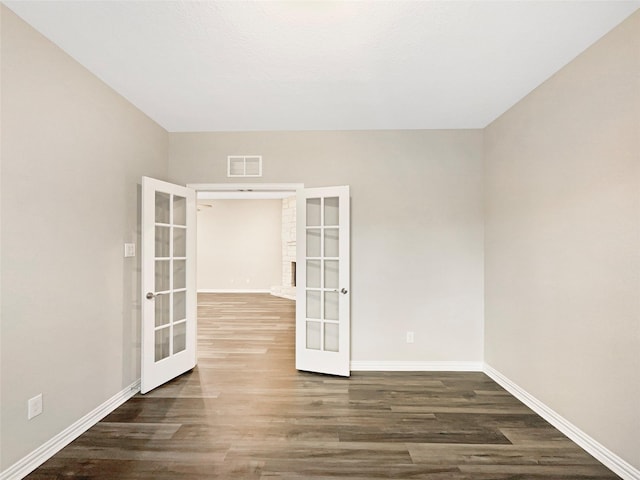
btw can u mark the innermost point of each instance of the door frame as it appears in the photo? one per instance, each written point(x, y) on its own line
point(229, 191)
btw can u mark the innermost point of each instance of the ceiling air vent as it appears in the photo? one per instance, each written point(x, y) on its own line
point(244, 166)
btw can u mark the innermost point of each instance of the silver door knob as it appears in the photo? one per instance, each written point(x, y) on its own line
point(344, 291)
point(151, 296)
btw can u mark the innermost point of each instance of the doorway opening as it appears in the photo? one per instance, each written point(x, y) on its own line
point(234, 255)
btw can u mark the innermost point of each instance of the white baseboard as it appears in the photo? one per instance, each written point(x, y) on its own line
point(26, 465)
point(283, 295)
point(394, 366)
point(600, 452)
point(233, 290)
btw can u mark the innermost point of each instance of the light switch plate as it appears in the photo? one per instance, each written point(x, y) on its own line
point(129, 249)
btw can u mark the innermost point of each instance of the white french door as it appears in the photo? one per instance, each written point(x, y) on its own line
point(168, 282)
point(323, 305)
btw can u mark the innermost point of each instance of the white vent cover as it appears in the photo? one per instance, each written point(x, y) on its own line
point(244, 166)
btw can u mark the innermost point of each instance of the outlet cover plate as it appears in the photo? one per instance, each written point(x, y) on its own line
point(34, 406)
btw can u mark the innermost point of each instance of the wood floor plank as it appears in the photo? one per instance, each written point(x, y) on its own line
point(499, 454)
point(245, 413)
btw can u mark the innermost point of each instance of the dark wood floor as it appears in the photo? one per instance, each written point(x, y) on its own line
point(246, 413)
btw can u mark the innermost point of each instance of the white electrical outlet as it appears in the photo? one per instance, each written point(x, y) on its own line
point(34, 406)
point(409, 337)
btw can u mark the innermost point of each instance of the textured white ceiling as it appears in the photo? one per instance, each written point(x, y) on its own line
point(323, 65)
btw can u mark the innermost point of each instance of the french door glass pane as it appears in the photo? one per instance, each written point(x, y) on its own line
point(331, 337)
point(331, 274)
point(179, 306)
point(331, 210)
point(179, 242)
point(162, 310)
point(163, 207)
point(179, 337)
point(313, 242)
point(179, 210)
point(331, 305)
point(313, 304)
point(331, 242)
point(313, 335)
point(313, 212)
point(313, 273)
point(162, 343)
point(163, 239)
point(179, 274)
point(162, 275)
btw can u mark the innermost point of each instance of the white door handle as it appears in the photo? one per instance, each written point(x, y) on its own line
point(151, 295)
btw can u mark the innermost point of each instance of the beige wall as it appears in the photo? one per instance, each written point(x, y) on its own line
point(73, 152)
point(239, 245)
point(562, 242)
point(416, 226)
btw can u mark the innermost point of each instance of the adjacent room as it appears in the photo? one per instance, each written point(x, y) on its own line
point(449, 289)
